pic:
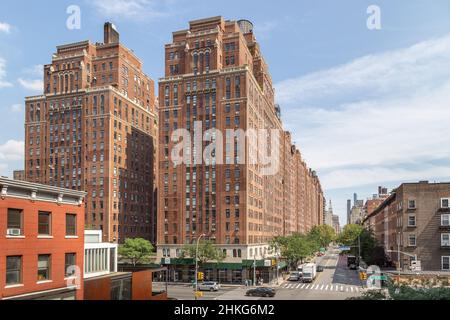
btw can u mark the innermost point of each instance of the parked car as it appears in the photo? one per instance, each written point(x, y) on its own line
point(295, 276)
point(319, 269)
point(209, 286)
point(261, 292)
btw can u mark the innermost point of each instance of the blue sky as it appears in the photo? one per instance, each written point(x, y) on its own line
point(366, 107)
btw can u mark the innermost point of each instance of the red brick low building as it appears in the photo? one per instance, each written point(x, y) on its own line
point(41, 241)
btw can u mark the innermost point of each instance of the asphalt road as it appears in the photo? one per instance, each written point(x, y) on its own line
point(336, 282)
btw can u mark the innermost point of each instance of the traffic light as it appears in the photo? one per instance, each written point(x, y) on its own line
point(363, 276)
point(200, 276)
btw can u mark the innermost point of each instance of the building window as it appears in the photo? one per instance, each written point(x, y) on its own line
point(70, 263)
point(445, 240)
point(445, 220)
point(44, 223)
point(13, 270)
point(412, 241)
point(446, 263)
point(44, 262)
point(412, 204)
point(15, 222)
point(445, 203)
point(71, 224)
point(411, 221)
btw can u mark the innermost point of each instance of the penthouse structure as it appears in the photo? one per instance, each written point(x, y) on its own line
point(94, 129)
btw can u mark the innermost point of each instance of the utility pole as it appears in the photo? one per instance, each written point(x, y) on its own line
point(254, 270)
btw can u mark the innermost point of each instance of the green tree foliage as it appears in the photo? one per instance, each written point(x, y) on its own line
point(349, 235)
point(136, 250)
point(410, 293)
point(206, 252)
point(322, 235)
point(294, 248)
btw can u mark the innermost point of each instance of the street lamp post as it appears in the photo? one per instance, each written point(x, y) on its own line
point(196, 265)
point(254, 270)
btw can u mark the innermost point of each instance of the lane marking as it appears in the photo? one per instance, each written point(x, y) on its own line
point(298, 286)
point(342, 288)
point(326, 288)
point(321, 288)
point(303, 285)
point(307, 287)
point(351, 289)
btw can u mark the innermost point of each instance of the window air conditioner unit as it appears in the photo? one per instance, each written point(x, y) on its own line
point(14, 232)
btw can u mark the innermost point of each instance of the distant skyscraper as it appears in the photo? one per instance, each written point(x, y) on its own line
point(355, 199)
point(349, 209)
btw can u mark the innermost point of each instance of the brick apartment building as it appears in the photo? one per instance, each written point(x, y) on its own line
point(216, 75)
point(94, 129)
point(416, 219)
point(41, 241)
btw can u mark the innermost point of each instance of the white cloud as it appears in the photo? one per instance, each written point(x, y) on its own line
point(5, 27)
point(32, 85)
point(3, 82)
point(12, 150)
point(11, 153)
point(350, 178)
point(133, 9)
point(379, 118)
point(16, 108)
point(36, 70)
point(393, 73)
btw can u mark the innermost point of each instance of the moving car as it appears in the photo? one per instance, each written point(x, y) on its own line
point(209, 286)
point(261, 292)
point(319, 269)
point(295, 276)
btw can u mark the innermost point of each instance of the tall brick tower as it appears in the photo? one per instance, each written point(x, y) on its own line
point(94, 129)
point(216, 75)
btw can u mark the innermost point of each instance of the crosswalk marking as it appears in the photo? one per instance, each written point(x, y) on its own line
point(322, 287)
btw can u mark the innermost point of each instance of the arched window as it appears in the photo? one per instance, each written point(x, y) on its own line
point(239, 253)
point(234, 253)
point(31, 112)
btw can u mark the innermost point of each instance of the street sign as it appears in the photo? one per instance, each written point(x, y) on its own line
point(166, 260)
point(267, 263)
point(344, 248)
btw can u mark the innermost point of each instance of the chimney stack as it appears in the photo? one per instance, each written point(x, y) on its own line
point(111, 35)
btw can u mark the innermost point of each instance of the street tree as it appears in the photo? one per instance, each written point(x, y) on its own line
point(322, 235)
point(206, 252)
point(137, 251)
